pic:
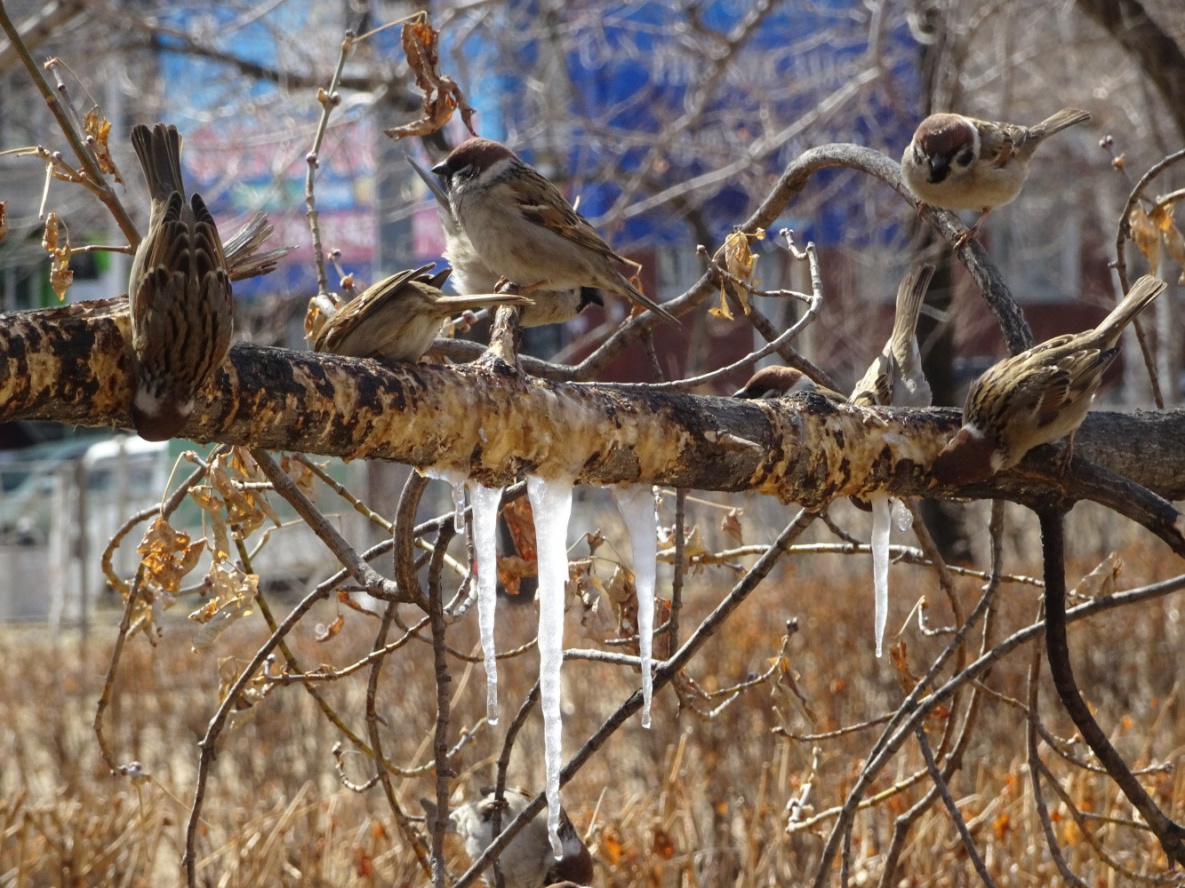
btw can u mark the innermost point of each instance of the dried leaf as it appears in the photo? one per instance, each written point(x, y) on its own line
point(325, 633)
point(233, 594)
point(56, 242)
point(1101, 580)
point(302, 476)
point(512, 570)
point(731, 526)
point(3, 220)
point(441, 94)
point(168, 555)
point(739, 261)
point(520, 521)
point(98, 128)
point(1146, 235)
point(785, 685)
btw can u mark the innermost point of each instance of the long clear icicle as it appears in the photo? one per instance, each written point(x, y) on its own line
point(882, 525)
point(485, 542)
point(551, 501)
point(636, 504)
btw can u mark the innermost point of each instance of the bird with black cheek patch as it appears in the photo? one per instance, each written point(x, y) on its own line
point(471, 274)
point(778, 381)
point(1036, 397)
point(524, 230)
point(961, 163)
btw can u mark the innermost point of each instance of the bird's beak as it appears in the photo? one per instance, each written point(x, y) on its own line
point(433, 185)
point(939, 168)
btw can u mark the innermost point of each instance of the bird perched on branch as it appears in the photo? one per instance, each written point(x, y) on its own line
point(399, 317)
point(472, 275)
point(182, 308)
point(961, 163)
point(527, 862)
point(895, 377)
point(1036, 397)
point(777, 381)
point(524, 230)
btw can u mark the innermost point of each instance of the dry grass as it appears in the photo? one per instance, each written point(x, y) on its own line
point(690, 802)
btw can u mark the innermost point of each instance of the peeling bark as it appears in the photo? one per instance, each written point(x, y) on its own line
point(496, 424)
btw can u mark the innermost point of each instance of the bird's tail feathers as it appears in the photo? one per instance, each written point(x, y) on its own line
point(1137, 299)
point(1055, 123)
point(159, 149)
point(910, 295)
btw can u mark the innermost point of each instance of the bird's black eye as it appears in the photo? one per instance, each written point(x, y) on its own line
point(464, 174)
point(965, 157)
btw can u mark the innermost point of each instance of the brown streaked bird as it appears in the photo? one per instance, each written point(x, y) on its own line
point(182, 307)
point(472, 275)
point(895, 377)
point(524, 230)
point(527, 862)
point(399, 317)
point(778, 381)
point(961, 163)
point(1036, 397)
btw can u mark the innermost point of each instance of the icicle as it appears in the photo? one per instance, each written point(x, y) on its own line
point(485, 542)
point(458, 508)
point(551, 501)
point(881, 527)
point(902, 517)
point(636, 504)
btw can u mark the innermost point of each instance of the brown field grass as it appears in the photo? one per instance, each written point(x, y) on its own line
point(691, 802)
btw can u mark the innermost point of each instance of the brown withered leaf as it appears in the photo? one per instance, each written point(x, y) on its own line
point(520, 521)
point(300, 474)
point(785, 685)
point(212, 504)
point(98, 128)
point(731, 526)
point(623, 597)
point(442, 95)
point(1146, 235)
point(347, 599)
point(325, 633)
point(1101, 580)
point(3, 220)
point(739, 261)
point(512, 570)
point(56, 242)
point(1174, 243)
point(233, 594)
point(168, 555)
point(906, 678)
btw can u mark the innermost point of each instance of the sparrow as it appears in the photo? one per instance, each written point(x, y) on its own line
point(779, 381)
point(1036, 397)
point(524, 230)
point(472, 275)
point(182, 308)
point(960, 163)
point(895, 377)
point(527, 862)
point(399, 317)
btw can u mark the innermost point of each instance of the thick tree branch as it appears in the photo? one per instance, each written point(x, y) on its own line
point(495, 424)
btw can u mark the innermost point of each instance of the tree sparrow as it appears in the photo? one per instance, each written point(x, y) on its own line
point(779, 381)
point(1036, 397)
point(399, 317)
point(182, 309)
point(524, 230)
point(472, 275)
point(960, 163)
point(527, 862)
point(895, 377)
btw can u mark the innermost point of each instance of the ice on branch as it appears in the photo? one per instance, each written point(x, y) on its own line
point(636, 504)
point(485, 542)
point(551, 502)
